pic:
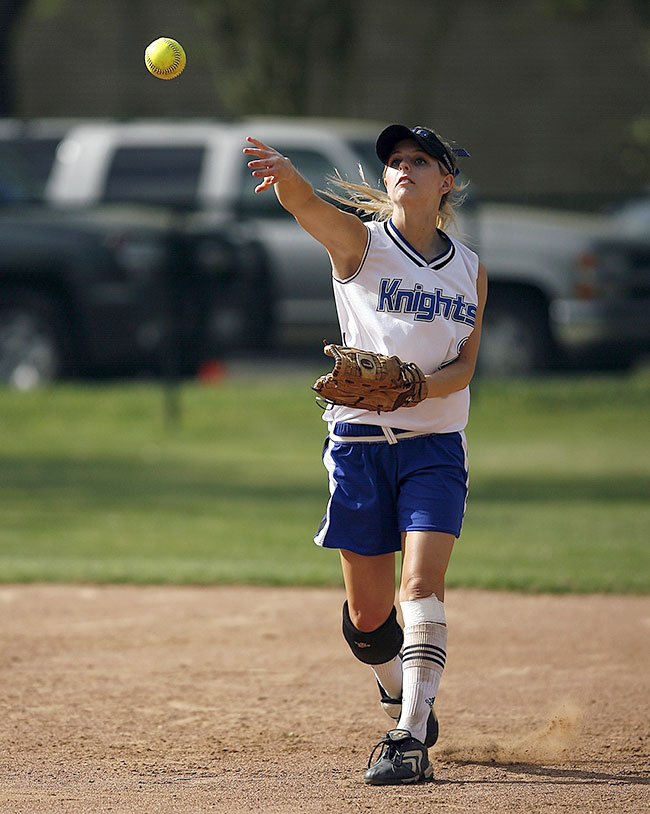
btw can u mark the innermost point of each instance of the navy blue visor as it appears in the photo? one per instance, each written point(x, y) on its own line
point(425, 138)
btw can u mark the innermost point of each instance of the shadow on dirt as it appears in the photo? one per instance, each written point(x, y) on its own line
point(567, 774)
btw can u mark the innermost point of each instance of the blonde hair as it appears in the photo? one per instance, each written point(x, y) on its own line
point(369, 200)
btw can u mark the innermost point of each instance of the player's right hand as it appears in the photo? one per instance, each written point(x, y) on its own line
point(269, 165)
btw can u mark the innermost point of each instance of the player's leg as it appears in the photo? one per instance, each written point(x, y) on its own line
point(403, 758)
point(369, 616)
point(369, 587)
point(361, 522)
point(425, 560)
point(431, 505)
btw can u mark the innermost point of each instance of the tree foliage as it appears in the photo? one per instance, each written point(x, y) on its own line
point(277, 56)
point(10, 11)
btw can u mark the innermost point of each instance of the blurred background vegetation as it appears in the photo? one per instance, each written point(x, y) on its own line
point(550, 95)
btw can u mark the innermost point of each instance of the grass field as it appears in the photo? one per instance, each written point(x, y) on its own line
point(96, 486)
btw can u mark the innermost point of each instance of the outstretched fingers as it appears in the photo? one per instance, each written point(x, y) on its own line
point(266, 164)
point(258, 145)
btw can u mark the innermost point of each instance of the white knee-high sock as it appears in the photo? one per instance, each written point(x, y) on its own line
point(389, 676)
point(424, 656)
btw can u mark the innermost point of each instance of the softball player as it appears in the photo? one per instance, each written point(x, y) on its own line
point(398, 481)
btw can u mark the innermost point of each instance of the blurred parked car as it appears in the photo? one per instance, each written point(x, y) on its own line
point(82, 294)
point(613, 313)
point(199, 170)
point(158, 275)
point(564, 288)
point(27, 152)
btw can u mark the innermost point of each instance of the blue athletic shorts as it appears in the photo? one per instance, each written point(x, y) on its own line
point(378, 490)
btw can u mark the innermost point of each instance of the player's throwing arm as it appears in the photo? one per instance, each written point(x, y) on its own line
point(341, 233)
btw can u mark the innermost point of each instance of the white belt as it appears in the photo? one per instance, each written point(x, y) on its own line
point(389, 436)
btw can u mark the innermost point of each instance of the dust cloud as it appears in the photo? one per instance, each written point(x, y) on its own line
point(552, 742)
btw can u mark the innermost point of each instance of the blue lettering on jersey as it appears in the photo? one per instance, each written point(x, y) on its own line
point(424, 305)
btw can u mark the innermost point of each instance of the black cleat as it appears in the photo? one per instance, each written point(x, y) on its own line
point(393, 708)
point(402, 760)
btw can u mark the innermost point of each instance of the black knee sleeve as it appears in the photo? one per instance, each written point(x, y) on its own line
point(378, 646)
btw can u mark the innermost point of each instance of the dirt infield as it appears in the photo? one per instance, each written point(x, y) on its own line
point(126, 699)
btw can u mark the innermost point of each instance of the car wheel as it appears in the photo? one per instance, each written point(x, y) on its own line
point(31, 352)
point(515, 339)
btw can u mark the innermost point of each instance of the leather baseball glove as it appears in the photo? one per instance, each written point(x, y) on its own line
point(370, 381)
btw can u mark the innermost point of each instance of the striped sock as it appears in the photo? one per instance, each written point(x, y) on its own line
point(424, 655)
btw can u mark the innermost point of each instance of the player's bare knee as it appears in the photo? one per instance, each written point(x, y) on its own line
point(418, 586)
point(376, 646)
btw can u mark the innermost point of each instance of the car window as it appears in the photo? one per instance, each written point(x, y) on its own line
point(158, 175)
point(25, 165)
point(315, 167)
point(39, 155)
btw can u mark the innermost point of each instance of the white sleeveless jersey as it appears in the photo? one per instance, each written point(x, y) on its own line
point(399, 304)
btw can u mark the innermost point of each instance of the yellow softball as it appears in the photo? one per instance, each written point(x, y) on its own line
point(165, 58)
